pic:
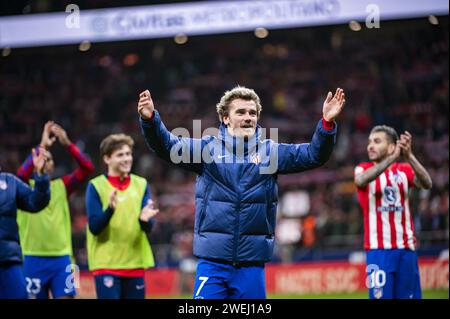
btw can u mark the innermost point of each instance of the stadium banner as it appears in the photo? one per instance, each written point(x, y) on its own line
point(199, 18)
point(298, 278)
point(342, 277)
point(158, 282)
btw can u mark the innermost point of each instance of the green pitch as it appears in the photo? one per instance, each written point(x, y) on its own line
point(426, 294)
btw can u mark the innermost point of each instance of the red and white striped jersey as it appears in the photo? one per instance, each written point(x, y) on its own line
point(388, 222)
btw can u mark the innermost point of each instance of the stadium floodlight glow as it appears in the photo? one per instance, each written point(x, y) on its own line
point(433, 20)
point(105, 61)
point(130, 59)
point(261, 33)
point(180, 38)
point(269, 49)
point(354, 25)
point(6, 52)
point(84, 46)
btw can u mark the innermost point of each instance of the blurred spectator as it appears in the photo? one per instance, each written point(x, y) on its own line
point(396, 75)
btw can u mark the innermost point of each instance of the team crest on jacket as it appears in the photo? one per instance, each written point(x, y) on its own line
point(255, 159)
point(3, 185)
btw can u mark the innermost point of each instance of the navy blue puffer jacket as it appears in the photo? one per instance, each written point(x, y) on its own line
point(236, 189)
point(16, 194)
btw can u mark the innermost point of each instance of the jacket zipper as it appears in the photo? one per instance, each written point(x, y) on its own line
point(268, 206)
point(236, 226)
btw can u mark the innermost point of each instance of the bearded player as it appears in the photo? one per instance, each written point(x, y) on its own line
point(383, 188)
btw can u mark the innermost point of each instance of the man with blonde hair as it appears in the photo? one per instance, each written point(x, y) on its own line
point(236, 199)
point(120, 212)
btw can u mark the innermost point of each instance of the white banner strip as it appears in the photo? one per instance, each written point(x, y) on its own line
point(196, 18)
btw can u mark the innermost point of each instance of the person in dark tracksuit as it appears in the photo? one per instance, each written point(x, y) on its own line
point(15, 194)
point(236, 187)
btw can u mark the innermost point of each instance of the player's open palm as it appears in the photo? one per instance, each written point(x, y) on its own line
point(112, 203)
point(405, 145)
point(48, 138)
point(145, 105)
point(148, 211)
point(61, 134)
point(333, 105)
point(39, 160)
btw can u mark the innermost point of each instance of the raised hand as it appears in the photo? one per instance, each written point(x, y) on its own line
point(47, 138)
point(39, 160)
point(61, 134)
point(145, 105)
point(333, 105)
point(405, 145)
point(148, 211)
point(397, 152)
point(112, 203)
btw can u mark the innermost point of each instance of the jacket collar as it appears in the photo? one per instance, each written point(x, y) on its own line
point(236, 145)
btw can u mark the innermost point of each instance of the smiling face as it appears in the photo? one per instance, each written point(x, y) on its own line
point(379, 147)
point(120, 161)
point(242, 118)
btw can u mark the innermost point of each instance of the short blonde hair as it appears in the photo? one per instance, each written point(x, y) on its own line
point(114, 142)
point(238, 92)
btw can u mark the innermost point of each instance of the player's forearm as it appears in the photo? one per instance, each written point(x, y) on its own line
point(147, 226)
point(156, 135)
point(98, 219)
point(421, 173)
point(73, 180)
point(26, 169)
point(34, 199)
point(167, 145)
point(322, 142)
point(372, 173)
point(294, 158)
point(81, 159)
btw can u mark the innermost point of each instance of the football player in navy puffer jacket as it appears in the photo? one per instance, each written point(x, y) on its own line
point(16, 194)
point(236, 188)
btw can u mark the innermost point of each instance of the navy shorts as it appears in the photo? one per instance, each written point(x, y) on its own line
point(44, 275)
point(393, 274)
point(215, 280)
point(119, 287)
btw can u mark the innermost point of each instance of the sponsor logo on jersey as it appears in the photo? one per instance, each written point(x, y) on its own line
point(390, 194)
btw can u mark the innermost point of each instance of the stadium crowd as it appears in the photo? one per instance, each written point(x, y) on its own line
point(388, 79)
